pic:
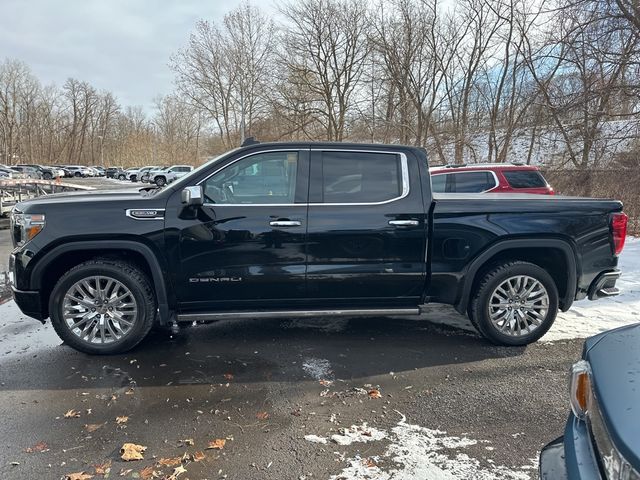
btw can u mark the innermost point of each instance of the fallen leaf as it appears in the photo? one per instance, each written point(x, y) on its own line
point(170, 462)
point(198, 456)
point(131, 391)
point(38, 447)
point(369, 463)
point(72, 414)
point(78, 476)
point(148, 473)
point(92, 427)
point(228, 376)
point(217, 444)
point(103, 468)
point(262, 415)
point(188, 441)
point(131, 451)
point(121, 420)
point(326, 383)
point(124, 472)
point(177, 472)
point(374, 393)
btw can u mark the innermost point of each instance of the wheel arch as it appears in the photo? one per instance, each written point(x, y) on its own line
point(59, 260)
point(555, 255)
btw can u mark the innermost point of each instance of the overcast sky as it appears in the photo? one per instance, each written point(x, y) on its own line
point(118, 45)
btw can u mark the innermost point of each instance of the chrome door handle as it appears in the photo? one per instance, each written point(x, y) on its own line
point(285, 223)
point(404, 223)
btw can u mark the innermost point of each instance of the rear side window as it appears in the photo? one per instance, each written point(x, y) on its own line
point(439, 183)
point(471, 182)
point(525, 179)
point(354, 177)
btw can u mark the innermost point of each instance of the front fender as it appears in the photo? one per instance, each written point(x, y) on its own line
point(158, 273)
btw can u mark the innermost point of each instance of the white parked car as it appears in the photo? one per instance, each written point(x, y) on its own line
point(79, 171)
point(136, 175)
point(168, 175)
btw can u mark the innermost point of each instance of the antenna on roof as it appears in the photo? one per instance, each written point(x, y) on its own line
point(249, 141)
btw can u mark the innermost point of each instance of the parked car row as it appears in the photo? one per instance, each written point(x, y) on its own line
point(157, 175)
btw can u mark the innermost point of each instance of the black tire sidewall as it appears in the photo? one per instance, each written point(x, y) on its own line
point(140, 328)
point(160, 181)
point(479, 308)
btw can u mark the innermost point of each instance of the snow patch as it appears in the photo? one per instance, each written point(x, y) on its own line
point(315, 439)
point(419, 453)
point(358, 434)
point(317, 368)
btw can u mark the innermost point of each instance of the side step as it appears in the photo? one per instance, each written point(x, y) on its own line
point(373, 312)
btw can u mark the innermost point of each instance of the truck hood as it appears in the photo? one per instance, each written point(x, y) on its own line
point(615, 363)
point(126, 194)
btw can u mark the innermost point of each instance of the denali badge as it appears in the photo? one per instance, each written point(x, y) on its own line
point(215, 279)
point(145, 214)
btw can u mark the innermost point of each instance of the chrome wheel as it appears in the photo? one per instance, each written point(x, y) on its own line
point(99, 309)
point(519, 305)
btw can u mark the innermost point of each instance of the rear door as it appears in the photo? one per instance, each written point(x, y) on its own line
point(366, 228)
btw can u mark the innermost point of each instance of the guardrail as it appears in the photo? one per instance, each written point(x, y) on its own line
point(13, 191)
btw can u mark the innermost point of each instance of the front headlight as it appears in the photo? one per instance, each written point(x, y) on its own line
point(585, 407)
point(25, 226)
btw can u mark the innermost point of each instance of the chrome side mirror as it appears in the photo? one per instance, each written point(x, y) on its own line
point(193, 196)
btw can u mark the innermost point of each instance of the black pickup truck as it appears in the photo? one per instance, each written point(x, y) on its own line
point(307, 229)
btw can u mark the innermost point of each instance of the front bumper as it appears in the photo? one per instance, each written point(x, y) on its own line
point(604, 285)
point(570, 457)
point(30, 303)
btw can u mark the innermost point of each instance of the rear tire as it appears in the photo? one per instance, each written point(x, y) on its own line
point(515, 304)
point(108, 330)
point(47, 176)
point(161, 181)
point(121, 177)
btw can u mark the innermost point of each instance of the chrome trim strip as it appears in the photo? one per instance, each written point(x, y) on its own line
point(194, 317)
point(404, 167)
point(129, 210)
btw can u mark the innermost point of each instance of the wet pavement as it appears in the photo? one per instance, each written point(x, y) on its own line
point(263, 385)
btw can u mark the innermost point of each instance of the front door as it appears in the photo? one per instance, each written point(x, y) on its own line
point(367, 229)
point(245, 247)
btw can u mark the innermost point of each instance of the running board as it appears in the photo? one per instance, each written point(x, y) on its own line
point(373, 312)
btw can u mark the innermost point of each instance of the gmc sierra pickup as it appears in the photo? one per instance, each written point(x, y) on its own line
point(307, 229)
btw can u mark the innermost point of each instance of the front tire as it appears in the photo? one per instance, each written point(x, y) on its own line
point(515, 304)
point(103, 307)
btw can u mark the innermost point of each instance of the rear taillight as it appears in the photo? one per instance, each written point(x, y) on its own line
point(619, 231)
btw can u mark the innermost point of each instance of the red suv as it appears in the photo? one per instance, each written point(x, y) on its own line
point(489, 177)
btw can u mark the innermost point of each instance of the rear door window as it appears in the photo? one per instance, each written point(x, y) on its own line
point(359, 177)
point(525, 179)
point(471, 182)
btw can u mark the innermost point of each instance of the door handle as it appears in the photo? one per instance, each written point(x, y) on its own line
point(285, 223)
point(404, 223)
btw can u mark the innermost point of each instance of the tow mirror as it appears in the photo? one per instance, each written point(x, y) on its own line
point(193, 196)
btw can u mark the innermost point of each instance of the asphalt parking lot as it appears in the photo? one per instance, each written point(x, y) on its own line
point(366, 398)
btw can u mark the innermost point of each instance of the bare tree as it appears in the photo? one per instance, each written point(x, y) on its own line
point(225, 69)
point(324, 48)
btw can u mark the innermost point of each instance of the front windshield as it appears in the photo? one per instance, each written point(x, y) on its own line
point(185, 180)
